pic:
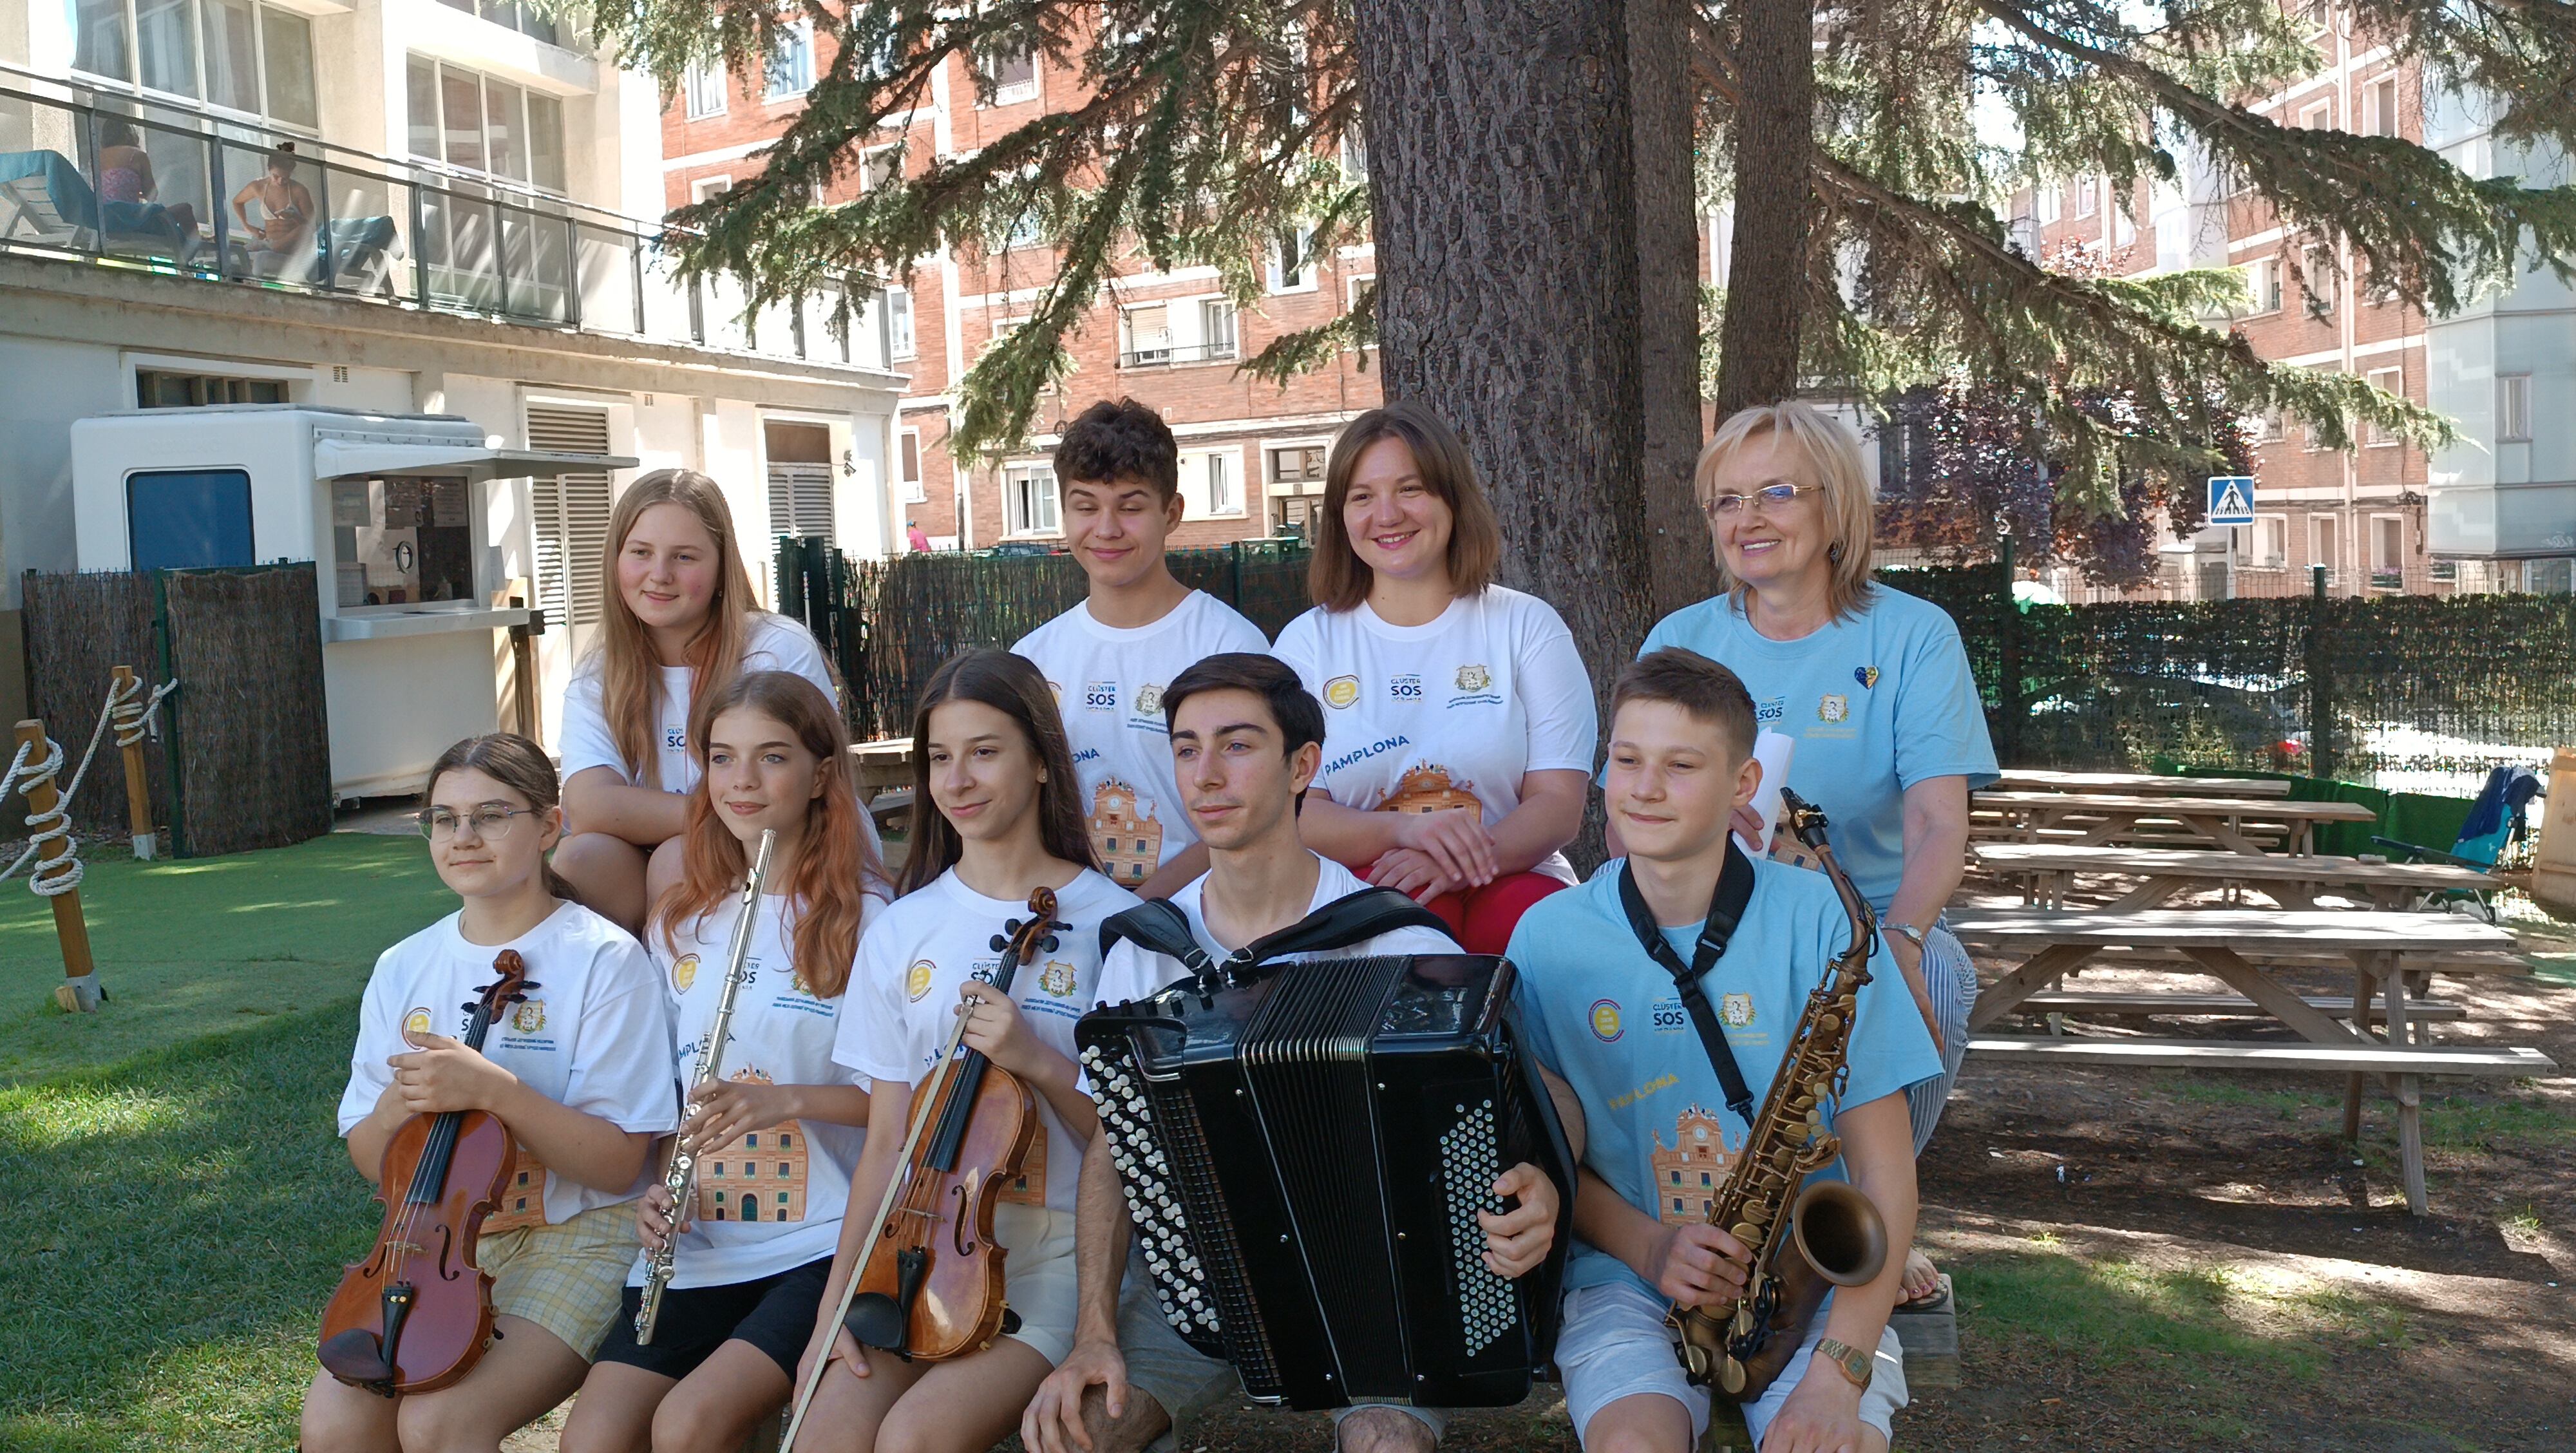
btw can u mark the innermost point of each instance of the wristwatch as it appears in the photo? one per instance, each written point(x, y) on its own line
point(1910, 931)
point(1850, 1361)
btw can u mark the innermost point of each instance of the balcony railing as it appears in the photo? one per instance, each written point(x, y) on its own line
point(125, 181)
point(1166, 357)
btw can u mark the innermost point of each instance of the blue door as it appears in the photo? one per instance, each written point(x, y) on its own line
point(179, 519)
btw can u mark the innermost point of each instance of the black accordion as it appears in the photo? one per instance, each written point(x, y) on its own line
point(1304, 1148)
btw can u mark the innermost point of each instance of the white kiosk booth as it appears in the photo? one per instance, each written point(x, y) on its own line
point(401, 513)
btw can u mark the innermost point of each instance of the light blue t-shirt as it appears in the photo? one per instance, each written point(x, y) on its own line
point(1877, 701)
point(1604, 1016)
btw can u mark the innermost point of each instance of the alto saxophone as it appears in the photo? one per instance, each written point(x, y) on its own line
point(680, 1177)
point(1839, 1237)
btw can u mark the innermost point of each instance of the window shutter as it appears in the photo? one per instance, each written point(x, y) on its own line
point(800, 499)
point(571, 514)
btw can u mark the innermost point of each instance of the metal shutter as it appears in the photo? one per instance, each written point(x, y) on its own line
point(800, 499)
point(571, 514)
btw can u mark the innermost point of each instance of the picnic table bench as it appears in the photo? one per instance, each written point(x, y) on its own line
point(884, 772)
point(2049, 869)
point(2218, 821)
point(2385, 951)
point(2135, 784)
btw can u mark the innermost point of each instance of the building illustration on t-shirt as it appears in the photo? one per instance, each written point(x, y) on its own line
point(1690, 1172)
point(1130, 846)
point(1427, 788)
point(758, 1175)
point(523, 1200)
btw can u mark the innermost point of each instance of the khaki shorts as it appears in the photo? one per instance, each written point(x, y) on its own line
point(1038, 1279)
point(568, 1278)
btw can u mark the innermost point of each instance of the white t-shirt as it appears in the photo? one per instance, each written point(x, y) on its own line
point(775, 643)
point(1132, 972)
point(1109, 684)
point(593, 1035)
point(1448, 714)
point(902, 1005)
point(771, 1199)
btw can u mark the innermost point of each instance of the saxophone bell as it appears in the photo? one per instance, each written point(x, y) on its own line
point(1839, 1233)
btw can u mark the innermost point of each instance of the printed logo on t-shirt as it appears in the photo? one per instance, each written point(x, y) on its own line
point(528, 1016)
point(1126, 833)
point(684, 972)
point(1605, 1021)
point(1770, 711)
point(1341, 691)
point(1833, 706)
point(1149, 700)
point(1100, 696)
point(1057, 978)
point(1357, 755)
point(1406, 686)
point(675, 738)
point(1667, 1016)
point(1735, 1011)
point(1867, 676)
point(759, 1175)
point(417, 1022)
point(917, 982)
point(1428, 788)
point(1475, 687)
point(1688, 1174)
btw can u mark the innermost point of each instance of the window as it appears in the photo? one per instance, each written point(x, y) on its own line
point(1002, 329)
point(882, 167)
point(515, 15)
point(2322, 545)
point(2319, 14)
point(2387, 552)
point(2271, 541)
point(1354, 157)
point(2513, 407)
point(2048, 203)
point(241, 55)
point(2088, 196)
point(1145, 334)
point(1212, 482)
point(707, 189)
point(704, 91)
point(751, 1141)
point(2389, 381)
point(477, 124)
point(1029, 499)
point(907, 461)
point(2319, 117)
point(2272, 428)
point(1012, 76)
point(1297, 464)
point(402, 539)
point(1291, 262)
point(1216, 328)
point(1355, 293)
point(2379, 107)
point(181, 519)
point(898, 303)
point(2318, 281)
point(156, 389)
point(800, 498)
point(790, 72)
point(570, 514)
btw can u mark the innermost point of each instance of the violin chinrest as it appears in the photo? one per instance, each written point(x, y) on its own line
point(357, 1356)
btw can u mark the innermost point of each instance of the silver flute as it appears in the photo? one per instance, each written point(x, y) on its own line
point(680, 1177)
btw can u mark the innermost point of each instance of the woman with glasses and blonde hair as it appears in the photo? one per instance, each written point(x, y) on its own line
point(1871, 682)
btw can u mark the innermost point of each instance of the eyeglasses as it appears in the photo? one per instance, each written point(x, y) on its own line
point(490, 824)
point(1769, 497)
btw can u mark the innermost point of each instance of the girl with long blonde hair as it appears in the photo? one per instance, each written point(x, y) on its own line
point(680, 621)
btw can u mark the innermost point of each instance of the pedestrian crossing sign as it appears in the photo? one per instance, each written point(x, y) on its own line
point(2231, 499)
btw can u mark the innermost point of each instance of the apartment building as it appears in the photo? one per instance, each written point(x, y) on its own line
point(1252, 453)
point(2494, 511)
point(397, 207)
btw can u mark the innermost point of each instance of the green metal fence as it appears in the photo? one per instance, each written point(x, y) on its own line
point(887, 624)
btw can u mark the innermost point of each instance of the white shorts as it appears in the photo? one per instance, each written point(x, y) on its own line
point(1038, 1280)
point(1614, 1344)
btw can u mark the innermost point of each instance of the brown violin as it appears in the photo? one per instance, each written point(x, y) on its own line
point(928, 1285)
point(416, 1315)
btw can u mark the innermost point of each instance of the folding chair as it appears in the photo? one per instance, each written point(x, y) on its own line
point(2495, 823)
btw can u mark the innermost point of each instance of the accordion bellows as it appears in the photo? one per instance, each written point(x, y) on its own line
point(1304, 1155)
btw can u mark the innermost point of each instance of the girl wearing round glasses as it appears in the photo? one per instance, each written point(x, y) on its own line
point(580, 1071)
point(1871, 682)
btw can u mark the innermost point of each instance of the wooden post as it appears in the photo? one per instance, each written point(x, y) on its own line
point(138, 788)
point(81, 994)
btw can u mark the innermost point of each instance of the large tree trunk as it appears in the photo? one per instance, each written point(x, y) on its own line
point(1500, 174)
point(1766, 271)
point(1663, 115)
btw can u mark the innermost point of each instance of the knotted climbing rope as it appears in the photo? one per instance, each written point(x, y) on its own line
point(49, 831)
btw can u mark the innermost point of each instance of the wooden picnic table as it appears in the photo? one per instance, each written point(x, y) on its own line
point(2392, 956)
point(884, 769)
point(2157, 784)
point(2217, 820)
point(2049, 869)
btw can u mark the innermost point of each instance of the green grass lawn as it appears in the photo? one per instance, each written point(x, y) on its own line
point(178, 1203)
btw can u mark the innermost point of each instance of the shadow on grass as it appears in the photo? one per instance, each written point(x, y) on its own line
point(174, 1227)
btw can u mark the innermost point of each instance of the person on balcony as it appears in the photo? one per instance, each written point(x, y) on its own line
point(286, 213)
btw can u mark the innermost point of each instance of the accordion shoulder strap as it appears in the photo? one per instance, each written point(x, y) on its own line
point(1157, 927)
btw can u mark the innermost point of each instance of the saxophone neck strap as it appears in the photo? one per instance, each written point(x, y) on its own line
point(1725, 911)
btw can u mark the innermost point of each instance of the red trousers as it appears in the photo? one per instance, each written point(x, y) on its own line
point(1482, 919)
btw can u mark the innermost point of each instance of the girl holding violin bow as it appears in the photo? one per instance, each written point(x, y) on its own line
point(928, 1012)
point(778, 1129)
point(520, 1008)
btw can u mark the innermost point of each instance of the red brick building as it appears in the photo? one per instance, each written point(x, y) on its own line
point(1252, 454)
